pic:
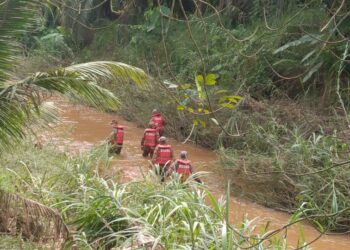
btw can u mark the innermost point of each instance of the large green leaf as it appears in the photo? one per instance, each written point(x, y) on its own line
point(21, 101)
point(14, 17)
point(302, 40)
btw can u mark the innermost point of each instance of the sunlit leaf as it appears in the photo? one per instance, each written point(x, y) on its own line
point(228, 105)
point(295, 217)
point(319, 226)
point(237, 97)
point(221, 91)
point(180, 107)
point(230, 99)
point(199, 79)
point(199, 82)
point(210, 79)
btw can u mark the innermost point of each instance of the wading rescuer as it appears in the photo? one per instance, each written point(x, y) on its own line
point(159, 121)
point(163, 156)
point(149, 140)
point(116, 138)
point(183, 167)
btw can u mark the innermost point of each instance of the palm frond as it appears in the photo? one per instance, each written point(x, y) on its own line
point(20, 101)
point(16, 119)
point(108, 70)
point(31, 219)
point(14, 16)
point(73, 85)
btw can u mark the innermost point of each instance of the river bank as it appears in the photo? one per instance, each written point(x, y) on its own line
point(91, 127)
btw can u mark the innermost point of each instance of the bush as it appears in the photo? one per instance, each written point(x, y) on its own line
point(284, 168)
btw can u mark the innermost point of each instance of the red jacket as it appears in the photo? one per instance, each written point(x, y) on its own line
point(158, 120)
point(163, 154)
point(150, 138)
point(183, 167)
point(118, 134)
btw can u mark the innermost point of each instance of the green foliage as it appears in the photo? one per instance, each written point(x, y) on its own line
point(153, 17)
point(291, 167)
point(54, 45)
point(171, 216)
point(21, 100)
point(42, 175)
point(286, 51)
point(256, 58)
point(11, 27)
point(41, 171)
point(19, 103)
point(11, 243)
point(265, 49)
point(105, 213)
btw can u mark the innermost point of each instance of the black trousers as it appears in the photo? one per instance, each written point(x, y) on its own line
point(116, 149)
point(148, 151)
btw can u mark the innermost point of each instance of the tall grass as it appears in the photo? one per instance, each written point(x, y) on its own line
point(292, 168)
point(151, 214)
point(103, 213)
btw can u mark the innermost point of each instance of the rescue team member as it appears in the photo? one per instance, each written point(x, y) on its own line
point(117, 137)
point(183, 167)
point(149, 140)
point(159, 121)
point(163, 156)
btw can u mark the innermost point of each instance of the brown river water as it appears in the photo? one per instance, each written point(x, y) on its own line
point(89, 127)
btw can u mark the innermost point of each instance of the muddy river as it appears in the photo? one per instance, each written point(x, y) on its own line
point(89, 127)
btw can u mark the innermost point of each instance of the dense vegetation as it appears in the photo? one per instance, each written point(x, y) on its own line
point(106, 213)
point(290, 62)
point(266, 83)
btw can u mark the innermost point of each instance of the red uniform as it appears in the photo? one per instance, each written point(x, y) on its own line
point(184, 168)
point(163, 155)
point(149, 141)
point(117, 140)
point(150, 137)
point(119, 134)
point(159, 122)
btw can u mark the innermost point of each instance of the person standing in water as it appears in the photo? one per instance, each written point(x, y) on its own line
point(116, 138)
point(163, 156)
point(149, 140)
point(183, 167)
point(159, 121)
